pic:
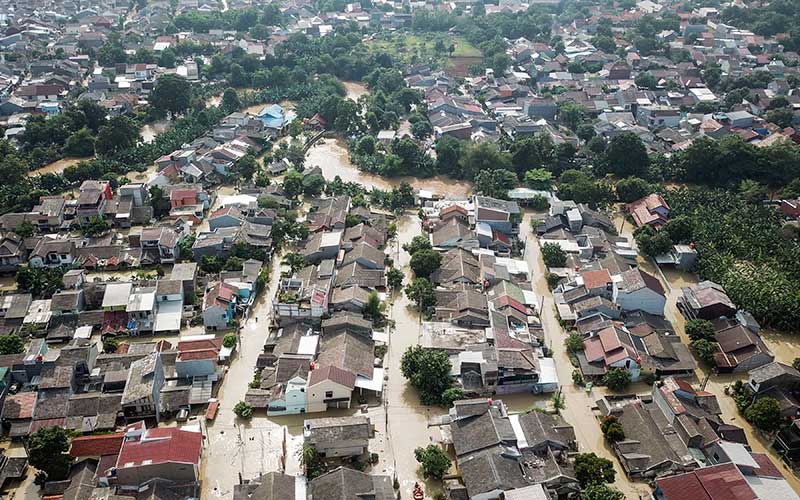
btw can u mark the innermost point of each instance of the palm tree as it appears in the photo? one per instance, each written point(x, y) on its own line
point(295, 261)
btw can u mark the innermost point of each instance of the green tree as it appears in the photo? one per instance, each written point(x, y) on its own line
point(753, 192)
point(159, 202)
point(373, 309)
point(612, 429)
point(310, 460)
point(417, 243)
point(482, 156)
point(171, 93)
point(295, 261)
point(631, 189)
point(571, 114)
point(394, 278)
point(433, 460)
point(554, 255)
point(26, 229)
point(94, 113)
point(425, 262)
point(705, 350)
point(230, 101)
point(591, 469)
point(167, 58)
point(293, 183)
point(119, 134)
point(313, 185)
point(245, 167)
point(420, 291)
point(11, 344)
point(428, 370)
point(229, 340)
point(211, 264)
point(626, 156)
point(539, 178)
point(40, 282)
point(617, 379)
point(574, 343)
point(700, 329)
point(421, 129)
point(495, 183)
point(47, 448)
point(80, 144)
point(679, 229)
point(796, 364)
point(645, 80)
point(765, 414)
point(601, 492)
point(95, 227)
point(652, 242)
point(243, 410)
point(452, 394)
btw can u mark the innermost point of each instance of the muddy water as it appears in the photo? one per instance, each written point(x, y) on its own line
point(355, 90)
point(57, 166)
point(247, 448)
point(579, 404)
point(151, 130)
point(332, 157)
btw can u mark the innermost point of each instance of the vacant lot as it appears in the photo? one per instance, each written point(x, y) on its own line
point(453, 53)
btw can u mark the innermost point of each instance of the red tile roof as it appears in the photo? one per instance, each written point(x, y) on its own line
point(159, 446)
point(19, 406)
point(766, 467)
point(334, 374)
point(96, 446)
point(720, 482)
point(596, 279)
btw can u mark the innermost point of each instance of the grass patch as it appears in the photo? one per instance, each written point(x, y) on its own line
point(426, 48)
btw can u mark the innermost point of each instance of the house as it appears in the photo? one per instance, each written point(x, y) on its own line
point(338, 436)
point(198, 358)
point(141, 398)
point(51, 252)
point(706, 300)
point(778, 381)
point(225, 217)
point(166, 453)
point(219, 304)
point(186, 273)
point(141, 309)
point(92, 200)
point(275, 118)
point(18, 413)
point(452, 233)
point(329, 214)
point(162, 242)
point(652, 210)
point(12, 252)
point(348, 484)
point(322, 246)
point(269, 486)
point(740, 349)
point(636, 290)
point(329, 387)
point(611, 347)
point(499, 214)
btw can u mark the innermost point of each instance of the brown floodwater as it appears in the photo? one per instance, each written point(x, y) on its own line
point(355, 90)
point(333, 158)
point(579, 410)
point(151, 130)
point(57, 166)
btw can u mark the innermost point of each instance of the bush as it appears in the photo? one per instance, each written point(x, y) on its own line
point(229, 340)
point(612, 429)
point(11, 344)
point(577, 378)
point(540, 203)
point(765, 414)
point(243, 410)
point(698, 329)
point(434, 461)
point(617, 379)
point(574, 343)
point(553, 255)
point(552, 280)
point(705, 350)
point(452, 394)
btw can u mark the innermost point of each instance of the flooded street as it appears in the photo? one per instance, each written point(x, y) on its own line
point(236, 447)
point(579, 402)
point(333, 158)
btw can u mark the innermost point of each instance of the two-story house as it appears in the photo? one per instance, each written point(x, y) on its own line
point(163, 242)
point(141, 398)
point(92, 201)
point(219, 305)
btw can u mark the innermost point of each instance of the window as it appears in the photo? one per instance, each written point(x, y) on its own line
point(328, 394)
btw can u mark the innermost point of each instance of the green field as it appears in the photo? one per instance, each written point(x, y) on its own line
point(410, 48)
